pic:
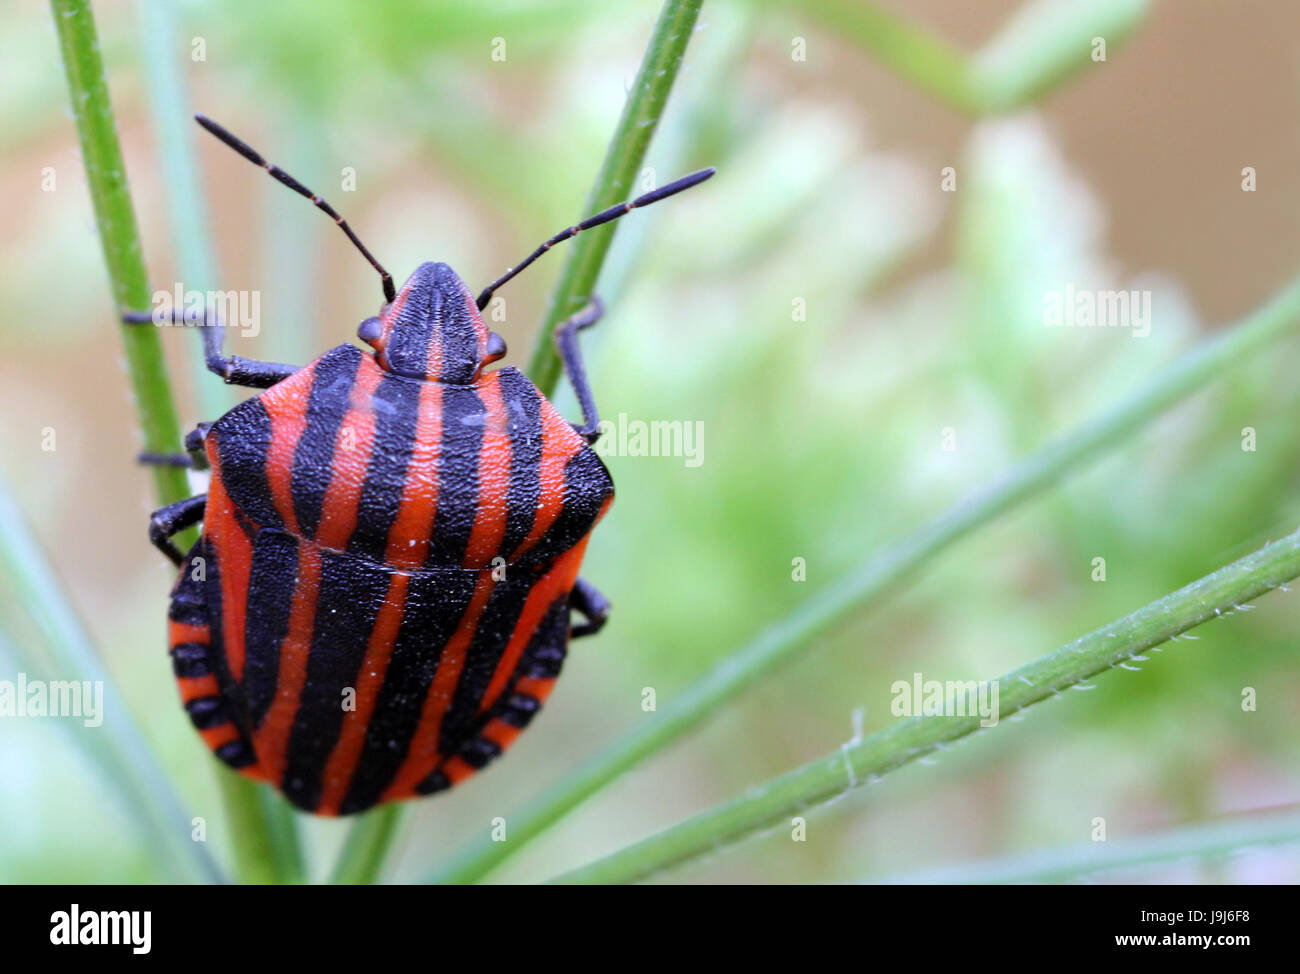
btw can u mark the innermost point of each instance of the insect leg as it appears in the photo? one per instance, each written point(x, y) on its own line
point(194, 457)
point(566, 340)
point(151, 459)
point(235, 370)
point(172, 519)
point(588, 601)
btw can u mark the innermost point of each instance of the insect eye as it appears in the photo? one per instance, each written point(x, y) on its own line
point(496, 347)
point(370, 330)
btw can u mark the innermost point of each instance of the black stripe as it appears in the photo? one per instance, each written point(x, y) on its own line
point(522, 404)
point(243, 437)
point(212, 594)
point(456, 332)
point(273, 578)
point(237, 753)
point(231, 693)
point(478, 751)
point(351, 593)
point(587, 485)
point(518, 709)
point(313, 459)
point(407, 351)
point(463, 415)
point(207, 712)
point(190, 660)
point(434, 782)
point(549, 645)
point(541, 658)
point(435, 602)
point(491, 636)
point(397, 413)
point(187, 605)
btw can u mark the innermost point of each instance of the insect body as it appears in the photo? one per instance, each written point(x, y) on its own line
point(380, 598)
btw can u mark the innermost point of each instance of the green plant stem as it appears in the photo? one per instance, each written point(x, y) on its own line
point(120, 238)
point(868, 585)
point(1044, 44)
point(623, 160)
point(914, 54)
point(857, 763)
point(1200, 840)
point(367, 846)
point(627, 150)
point(115, 747)
point(118, 234)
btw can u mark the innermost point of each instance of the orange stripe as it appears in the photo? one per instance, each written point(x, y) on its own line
point(535, 686)
point(500, 733)
point(559, 444)
point(422, 755)
point(352, 448)
point(408, 538)
point(215, 737)
point(234, 555)
point(272, 737)
point(193, 687)
point(493, 476)
point(433, 360)
point(181, 632)
point(287, 409)
point(457, 770)
point(387, 318)
point(556, 582)
point(343, 759)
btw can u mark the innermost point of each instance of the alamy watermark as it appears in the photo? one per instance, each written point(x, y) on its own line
point(626, 437)
point(1074, 307)
point(82, 699)
point(78, 927)
point(920, 697)
point(231, 309)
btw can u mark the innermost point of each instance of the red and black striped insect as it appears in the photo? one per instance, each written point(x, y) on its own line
point(380, 598)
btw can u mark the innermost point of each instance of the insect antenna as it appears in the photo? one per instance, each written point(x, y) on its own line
point(604, 216)
point(255, 157)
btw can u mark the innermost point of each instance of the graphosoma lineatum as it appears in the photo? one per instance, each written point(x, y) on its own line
point(401, 526)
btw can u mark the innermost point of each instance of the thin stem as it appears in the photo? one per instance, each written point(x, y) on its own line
point(855, 764)
point(627, 149)
point(368, 844)
point(914, 54)
point(1043, 45)
point(1199, 840)
point(880, 575)
point(118, 234)
point(120, 239)
point(1046, 43)
point(115, 747)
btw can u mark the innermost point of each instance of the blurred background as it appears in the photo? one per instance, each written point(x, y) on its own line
point(823, 432)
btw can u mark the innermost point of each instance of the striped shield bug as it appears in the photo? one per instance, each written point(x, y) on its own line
point(380, 597)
